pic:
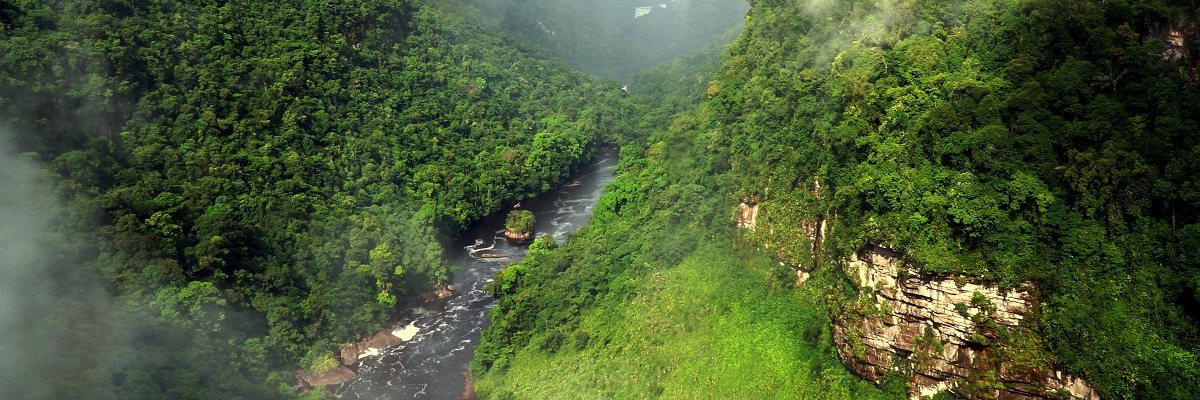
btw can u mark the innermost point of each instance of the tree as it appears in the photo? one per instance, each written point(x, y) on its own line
point(519, 222)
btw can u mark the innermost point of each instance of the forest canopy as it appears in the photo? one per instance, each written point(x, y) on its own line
point(243, 187)
point(1039, 143)
point(258, 183)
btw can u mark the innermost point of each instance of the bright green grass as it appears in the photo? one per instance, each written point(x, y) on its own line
point(711, 327)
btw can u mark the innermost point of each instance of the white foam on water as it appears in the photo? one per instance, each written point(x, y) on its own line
point(406, 333)
point(370, 352)
point(472, 249)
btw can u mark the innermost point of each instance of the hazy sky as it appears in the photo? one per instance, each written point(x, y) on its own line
point(602, 37)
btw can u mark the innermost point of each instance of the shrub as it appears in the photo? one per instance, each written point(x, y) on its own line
point(520, 221)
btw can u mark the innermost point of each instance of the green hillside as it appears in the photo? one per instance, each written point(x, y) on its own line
point(1043, 142)
point(257, 183)
point(201, 197)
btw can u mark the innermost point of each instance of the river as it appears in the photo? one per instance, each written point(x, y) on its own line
point(432, 364)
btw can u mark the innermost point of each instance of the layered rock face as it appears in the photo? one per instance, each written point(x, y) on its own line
point(954, 335)
point(1178, 38)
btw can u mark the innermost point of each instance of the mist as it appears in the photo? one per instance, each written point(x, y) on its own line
point(42, 301)
point(77, 321)
point(616, 39)
point(64, 334)
point(26, 211)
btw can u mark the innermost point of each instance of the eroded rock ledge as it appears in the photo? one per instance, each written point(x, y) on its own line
point(951, 334)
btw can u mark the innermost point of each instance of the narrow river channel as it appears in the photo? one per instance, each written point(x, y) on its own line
point(432, 363)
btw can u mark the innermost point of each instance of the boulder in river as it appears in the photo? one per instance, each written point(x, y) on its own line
point(351, 353)
point(445, 291)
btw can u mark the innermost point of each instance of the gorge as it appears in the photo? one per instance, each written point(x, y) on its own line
point(813, 199)
point(432, 361)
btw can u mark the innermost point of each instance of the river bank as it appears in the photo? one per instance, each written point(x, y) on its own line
point(442, 333)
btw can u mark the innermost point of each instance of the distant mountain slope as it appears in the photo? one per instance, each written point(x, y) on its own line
point(602, 37)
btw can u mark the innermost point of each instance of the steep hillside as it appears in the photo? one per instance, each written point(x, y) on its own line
point(1028, 165)
point(253, 184)
point(656, 299)
point(1038, 143)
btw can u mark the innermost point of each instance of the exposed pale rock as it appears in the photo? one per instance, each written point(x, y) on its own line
point(514, 235)
point(1174, 36)
point(349, 354)
point(801, 276)
point(331, 377)
point(445, 291)
point(748, 216)
point(928, 320)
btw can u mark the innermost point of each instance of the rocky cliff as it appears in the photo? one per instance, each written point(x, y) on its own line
point(950, 334)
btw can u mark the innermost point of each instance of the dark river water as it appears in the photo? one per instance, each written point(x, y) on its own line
point(431, 364)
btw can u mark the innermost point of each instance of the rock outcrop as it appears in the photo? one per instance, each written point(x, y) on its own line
point(949, 333)
point(514, 235)
point(519, 224)
point(441, 293)
point(1180, 45)
point(332, 377)
point(351, 353)
point(747, 216)
point(369, 346)
point(1178, 38)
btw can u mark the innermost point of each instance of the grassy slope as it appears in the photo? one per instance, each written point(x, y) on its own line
point(655, 299)
point(979, 136)
point(718, 325)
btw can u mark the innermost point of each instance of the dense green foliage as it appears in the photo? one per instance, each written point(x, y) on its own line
point(1033, 141)
point(254, 184)
point(654, 300)
point(268, 179)
point(1043, 141)
point(520, 221)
